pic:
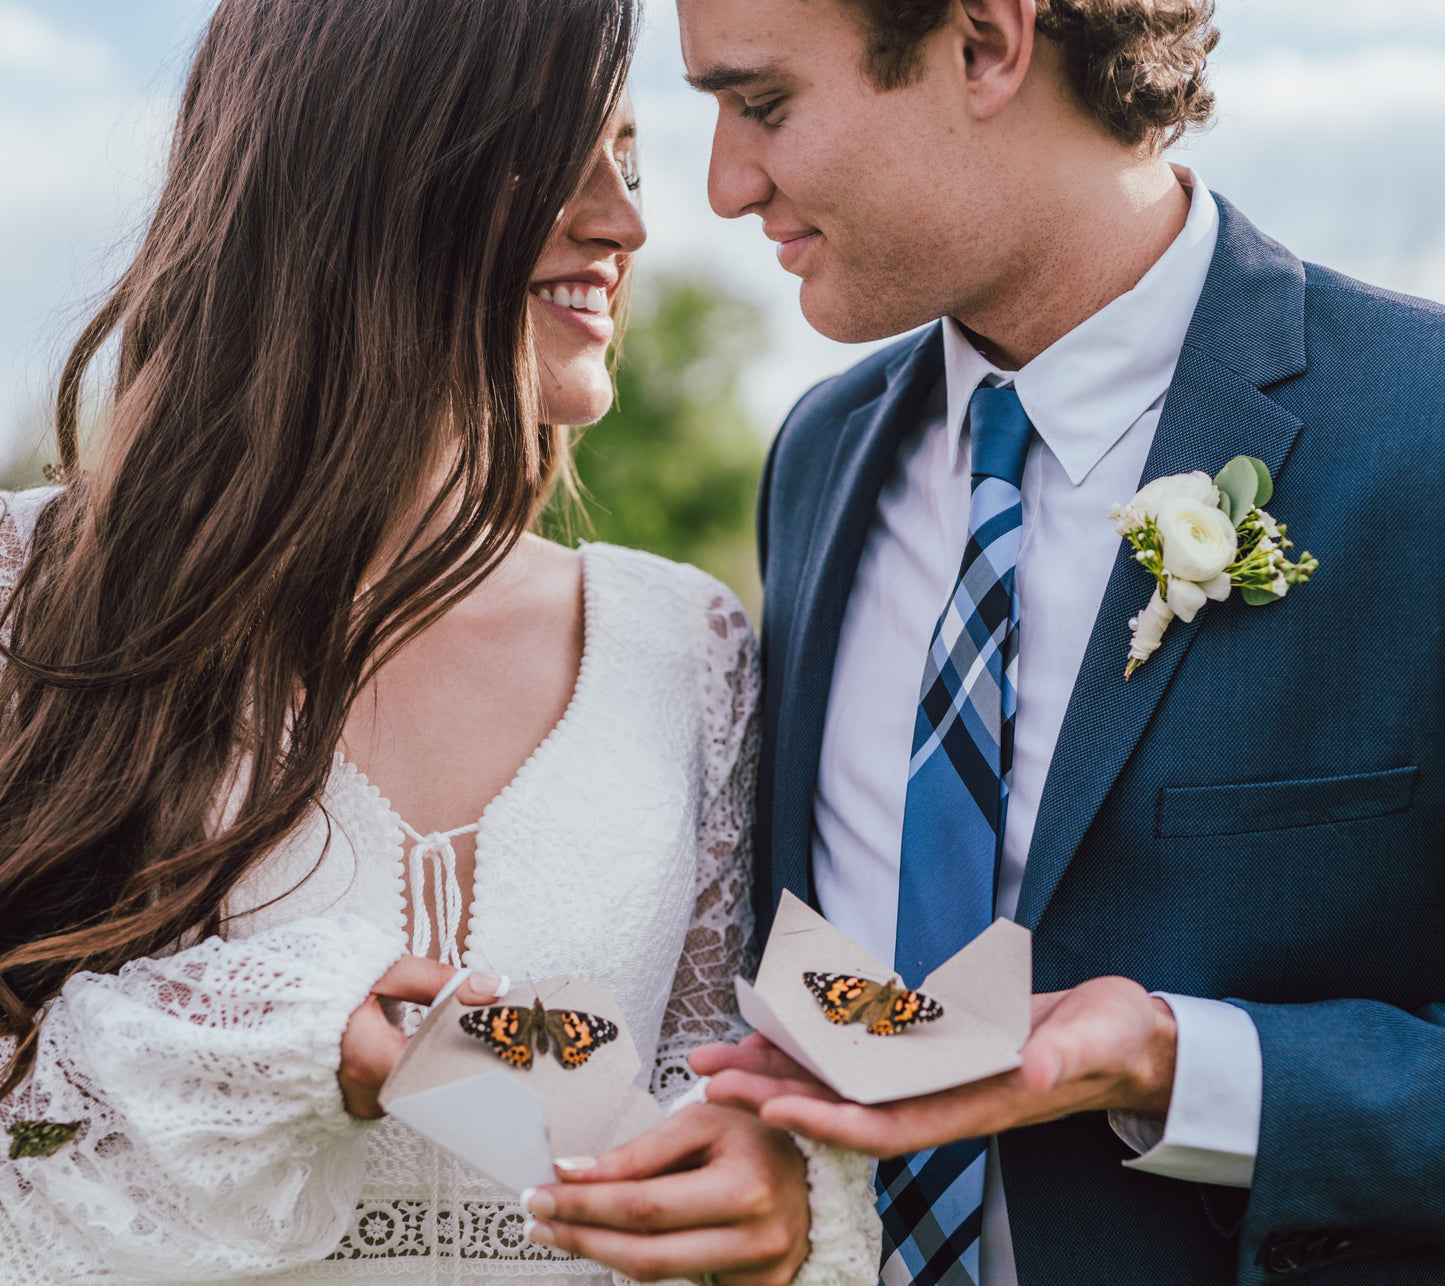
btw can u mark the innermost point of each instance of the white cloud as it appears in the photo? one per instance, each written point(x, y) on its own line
point(31, 45)
point(1299, 21)
point(1364, 89)
point(103, 154)
point(81, 151)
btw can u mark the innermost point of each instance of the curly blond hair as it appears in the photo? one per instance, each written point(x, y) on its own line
point(1138, 65)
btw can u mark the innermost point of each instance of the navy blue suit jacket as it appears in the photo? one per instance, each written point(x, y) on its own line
point(1258, 815)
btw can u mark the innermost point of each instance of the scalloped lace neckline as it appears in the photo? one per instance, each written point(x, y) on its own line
point(569, 714)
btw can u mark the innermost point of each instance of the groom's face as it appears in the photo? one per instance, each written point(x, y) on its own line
point(847, 179)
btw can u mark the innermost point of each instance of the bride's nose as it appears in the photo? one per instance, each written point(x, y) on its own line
point(605, 211)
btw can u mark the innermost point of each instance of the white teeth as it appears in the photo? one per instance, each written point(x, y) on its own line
point(586, 299)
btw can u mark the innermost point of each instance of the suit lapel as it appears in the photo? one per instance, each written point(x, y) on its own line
point(1247, 333)
point(862, 460)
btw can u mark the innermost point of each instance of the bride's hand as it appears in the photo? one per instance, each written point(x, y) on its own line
point(370, 1045)
point(710, 1190)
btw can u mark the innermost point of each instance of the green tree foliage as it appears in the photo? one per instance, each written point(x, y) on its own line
point(674, 467)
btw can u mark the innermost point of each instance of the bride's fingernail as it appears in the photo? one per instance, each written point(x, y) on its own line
point(538, 1203)
point(573, 1164)
point(481, 987)
point(538, 1233)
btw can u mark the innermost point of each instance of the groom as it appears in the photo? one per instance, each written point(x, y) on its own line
point(1234, 866)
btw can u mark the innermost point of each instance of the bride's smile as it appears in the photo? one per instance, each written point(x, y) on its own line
point(581, 277)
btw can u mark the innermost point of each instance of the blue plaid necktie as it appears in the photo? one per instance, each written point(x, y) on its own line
point(953, 821)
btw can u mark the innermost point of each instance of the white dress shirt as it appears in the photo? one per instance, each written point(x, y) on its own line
point(1094, 398)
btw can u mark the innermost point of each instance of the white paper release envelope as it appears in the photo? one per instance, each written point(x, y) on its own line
point(985, 991)
point(510, 1123)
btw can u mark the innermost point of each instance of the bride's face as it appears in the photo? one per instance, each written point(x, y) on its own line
point(576, 279)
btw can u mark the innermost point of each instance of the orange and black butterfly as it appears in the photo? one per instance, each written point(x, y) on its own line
point(885, 1008)
point(513, 1033)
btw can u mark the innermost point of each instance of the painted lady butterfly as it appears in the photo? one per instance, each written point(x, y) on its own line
point(512, 1033)
point(887, 1008)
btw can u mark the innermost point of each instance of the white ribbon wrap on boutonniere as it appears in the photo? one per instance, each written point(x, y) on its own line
point(1200, 538)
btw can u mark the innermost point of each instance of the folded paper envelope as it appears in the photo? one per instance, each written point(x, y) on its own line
point(985, 992)
point(510, 1123)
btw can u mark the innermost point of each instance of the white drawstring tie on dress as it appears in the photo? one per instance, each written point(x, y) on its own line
point(435, 851)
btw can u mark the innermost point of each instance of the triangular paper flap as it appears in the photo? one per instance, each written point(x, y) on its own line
point(797, 921)
point(964, 1045)
point(992, 978)
point(587, 1109)
point(491, 1122)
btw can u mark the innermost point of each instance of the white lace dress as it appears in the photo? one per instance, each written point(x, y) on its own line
point(213, 1145)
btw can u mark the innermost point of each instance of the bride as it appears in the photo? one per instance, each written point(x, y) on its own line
point(296, 718)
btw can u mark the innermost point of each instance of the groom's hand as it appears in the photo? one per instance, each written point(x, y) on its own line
point(1105, 1045)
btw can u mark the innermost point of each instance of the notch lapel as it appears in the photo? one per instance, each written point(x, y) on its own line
point(863, 457)
point(1247, 334)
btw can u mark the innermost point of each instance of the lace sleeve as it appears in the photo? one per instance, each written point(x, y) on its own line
point(183, 1119)
point(845, 1231)
point(720, 940)
point(19, 512)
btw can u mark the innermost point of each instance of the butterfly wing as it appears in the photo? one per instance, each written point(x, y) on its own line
point(576, 1036)
point(845, 997)
point(507, 1030)
point(40, 1138)
point(896, 1009)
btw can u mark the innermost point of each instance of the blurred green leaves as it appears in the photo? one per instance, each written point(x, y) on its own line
point(673, 468)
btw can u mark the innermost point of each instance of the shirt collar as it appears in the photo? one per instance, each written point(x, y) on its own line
point(1084, 391)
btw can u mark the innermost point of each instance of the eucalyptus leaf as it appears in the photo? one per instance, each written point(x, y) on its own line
point(1258, 597)
point(1239, 484)
point(1266, 483)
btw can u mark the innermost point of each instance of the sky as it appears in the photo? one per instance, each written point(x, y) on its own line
point(1330, 136)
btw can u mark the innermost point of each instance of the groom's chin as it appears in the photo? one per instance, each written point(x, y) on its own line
point(855, 321)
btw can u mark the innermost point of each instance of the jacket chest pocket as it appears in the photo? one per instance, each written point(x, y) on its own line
point(1251, 807)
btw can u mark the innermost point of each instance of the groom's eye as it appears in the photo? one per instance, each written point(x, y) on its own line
point(761, 112)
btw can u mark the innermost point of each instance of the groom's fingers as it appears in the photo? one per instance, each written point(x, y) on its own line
point(749, 1090)
point(848, 1125)
point(908, 1125)
point(755, 1054)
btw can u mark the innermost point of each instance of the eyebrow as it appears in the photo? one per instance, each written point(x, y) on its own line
point(717, 79)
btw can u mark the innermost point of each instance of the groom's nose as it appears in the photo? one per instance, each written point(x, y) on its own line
point(737, 183)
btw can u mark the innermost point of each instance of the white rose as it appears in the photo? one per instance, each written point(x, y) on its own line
point(1199, 541)
point(1196, 486)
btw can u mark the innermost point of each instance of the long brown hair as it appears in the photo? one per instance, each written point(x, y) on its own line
point(323, 341)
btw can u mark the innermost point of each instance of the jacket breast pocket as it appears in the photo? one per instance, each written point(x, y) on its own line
point(1251, 807)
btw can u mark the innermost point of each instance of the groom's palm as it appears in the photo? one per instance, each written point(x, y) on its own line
point(1106, 1044)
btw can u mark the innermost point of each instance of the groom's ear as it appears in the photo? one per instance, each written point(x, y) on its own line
point(994, 45)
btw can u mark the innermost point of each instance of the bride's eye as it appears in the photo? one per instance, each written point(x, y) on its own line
point(627, 167)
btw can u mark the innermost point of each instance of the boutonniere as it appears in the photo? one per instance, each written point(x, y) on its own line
point(1201, 538)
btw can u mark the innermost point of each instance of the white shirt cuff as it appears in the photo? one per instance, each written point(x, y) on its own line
point(1211, 1134)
